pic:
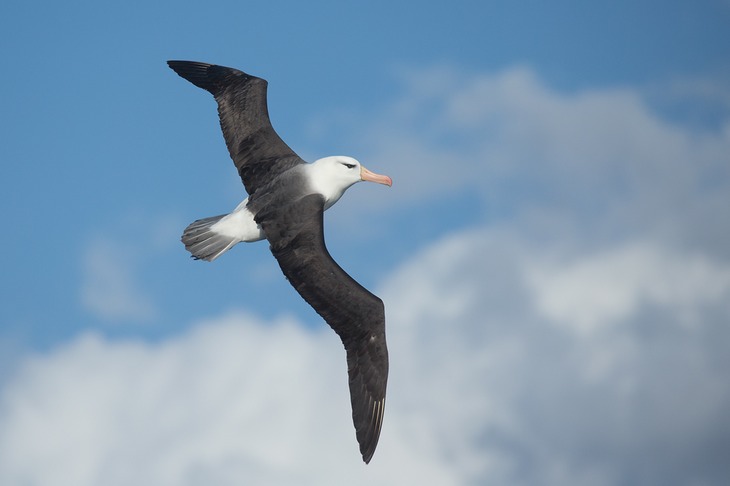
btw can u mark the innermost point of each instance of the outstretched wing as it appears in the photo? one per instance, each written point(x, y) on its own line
point(256, 149)
point(295, 233)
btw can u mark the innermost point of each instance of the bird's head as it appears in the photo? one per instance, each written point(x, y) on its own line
point(331, 176)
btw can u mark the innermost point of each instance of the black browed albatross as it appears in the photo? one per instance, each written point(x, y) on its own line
point(286, 201)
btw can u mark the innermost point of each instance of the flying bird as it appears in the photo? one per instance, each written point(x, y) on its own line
point(287, 198)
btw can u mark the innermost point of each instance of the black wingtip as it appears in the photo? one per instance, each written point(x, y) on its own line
point(211, 77)
point(197, 73)
point(369, 435)
point(367, 455)
point(181, 67)
point(367, 364)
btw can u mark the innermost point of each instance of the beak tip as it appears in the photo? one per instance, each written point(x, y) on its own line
point(366, 175)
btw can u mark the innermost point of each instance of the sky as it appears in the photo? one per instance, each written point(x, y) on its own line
point(554, 254)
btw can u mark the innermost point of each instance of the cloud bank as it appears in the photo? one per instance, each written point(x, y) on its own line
point(497, 376)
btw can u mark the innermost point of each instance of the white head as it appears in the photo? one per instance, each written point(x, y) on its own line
point(331, 176)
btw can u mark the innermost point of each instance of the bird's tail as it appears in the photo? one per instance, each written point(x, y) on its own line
point(205, 243)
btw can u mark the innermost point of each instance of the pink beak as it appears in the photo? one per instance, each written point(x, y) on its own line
point(366, 175)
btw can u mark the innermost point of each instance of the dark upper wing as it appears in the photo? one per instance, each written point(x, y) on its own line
point(295, 232)
point(256, 149)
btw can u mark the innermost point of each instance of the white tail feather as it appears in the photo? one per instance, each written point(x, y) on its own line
point(204, 243)
point(208, 238)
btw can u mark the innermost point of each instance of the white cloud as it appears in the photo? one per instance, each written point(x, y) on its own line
point(513, 395)
point(109, 289)
point(608, 287)
point(116, 265)
point(233, 400)
point(486, 387)
point(602, 156)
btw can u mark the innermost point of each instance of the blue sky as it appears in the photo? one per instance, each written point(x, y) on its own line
point(561, 183)
point(83, 78)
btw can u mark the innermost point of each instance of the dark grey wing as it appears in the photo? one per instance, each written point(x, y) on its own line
point(256, 149)
point(295, 233)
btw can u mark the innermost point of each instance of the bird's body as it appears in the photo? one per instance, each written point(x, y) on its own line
point(286, 201)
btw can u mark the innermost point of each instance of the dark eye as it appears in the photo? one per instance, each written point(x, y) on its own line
point(349, 166)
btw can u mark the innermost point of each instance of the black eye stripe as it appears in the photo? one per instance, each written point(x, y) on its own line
point(349, 166)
